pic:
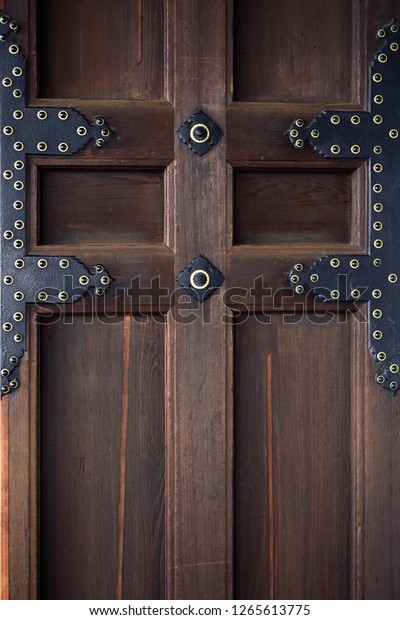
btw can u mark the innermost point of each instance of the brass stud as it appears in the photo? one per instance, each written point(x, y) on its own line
point(376, 293)
point(100, 142)
point(314, 277)
point(335, 119)
point(18, 244)
point(382, 58)
point(63, 147)
point(335, 149)
point(355, 119)
point(63, 115)
point(19, 146)
point(377, 119)
point(100, 268)
point(377, 314)
point(205, 133)
point(100, 121)
point(203, 274)
point(18, 114)
point(378, 168)
point(378, 149)
point(105, 133)
point(18, 205)
point(42, 263)
point(42, 146)
point(381, 33)
point(294, 133)
point(63, 295)
point(8, 130)
point(3, 19)
point(377, 225)
point(105, 280)
point(19, 224)
point(354, 263)
point(18, 185)
point(377, 188)
point(64, 263)
point(18, 316)
point(355, 293)
point(394, 47)
point(393, 385)
point(8, 280)
point(394, 368)
point(377, 77)
point(334, 262)
point(394, 28)
point(299, 289)
point(299, 122)
point(335, 294)
point(377, 334)
point(355, 149)
point(377, 262)
point(7, 82)
point(19, 165)
point(42, 115)
point(378, 207)
point(19, 263)
point(18, 338)
point(81, 131)
point(393, 133)
point(5, 372)
point(8, 174)
point(298, 267)
point(14, 383)
point(100, 291)
point(7, 327)
point(42, 296)
point(13, 49)
point(4, 388)
point(378, 99)
point(17, 71)
point(381, 356)
point(84, 280)
point(17, 93)
point(19, 296)
point(378, 243)
point(315, 133)
point(392, 277)
point(14, 360)
point(380, 379)
point(8, 234)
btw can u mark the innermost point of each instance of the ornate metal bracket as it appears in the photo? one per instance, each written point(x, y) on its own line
point(376, 276)
point(200, 278)
point(200, 133)
point(32, 131)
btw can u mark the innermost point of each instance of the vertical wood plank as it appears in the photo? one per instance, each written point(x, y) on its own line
point(198, 495)
point(4, 541)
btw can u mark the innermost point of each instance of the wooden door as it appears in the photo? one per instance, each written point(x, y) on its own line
point(161, 449)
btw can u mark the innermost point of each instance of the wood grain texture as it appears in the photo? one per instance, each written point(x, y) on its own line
point(4, 507)
point(80, 459)
point(89, 50)
point(281, 54)
point(199, 511)
point(100, 206)
point(311, 457)
point(284, 207)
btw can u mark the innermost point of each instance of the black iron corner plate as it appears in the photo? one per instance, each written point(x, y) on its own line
point(200, 133)
point(28, 131)
point(200, 278)
point(374, 277)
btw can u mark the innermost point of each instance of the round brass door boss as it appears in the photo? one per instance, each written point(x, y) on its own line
point(199, 133)
point(199, 279)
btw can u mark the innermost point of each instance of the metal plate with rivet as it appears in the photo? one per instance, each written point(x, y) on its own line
point(32, 131)
point(200, 278)
point(372, 135)
point(200, 133)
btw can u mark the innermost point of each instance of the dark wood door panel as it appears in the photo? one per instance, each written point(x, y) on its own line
point(292, 459)
point(102, 459)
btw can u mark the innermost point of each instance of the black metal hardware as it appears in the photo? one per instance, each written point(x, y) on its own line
point(200, 278)
point(200, 133)
point(374, 277)
point(33, 131)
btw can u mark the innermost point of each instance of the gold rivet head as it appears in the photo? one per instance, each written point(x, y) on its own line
point(294, 133)
point(354, 263)
point(392, 277)
point(393, 133)
point(381, 33)
point(199, 279)
point(394, 28)
point(378, 168)
point(378, 119)
point(377, 334)
point(380, 379)
point(299, 266)
point(378, 207)
point(377, 262)
point(299, 289)
point(378, 99)
point(376, 293)
point(377, 314)
point(378, 243)
point(393, 385)
point(355, 119)
point(382, 58)
point(199, 133)
point(334, 262)
point(394, 47)
point(377, 188)
point(381, 356)
point(315, 133)
point(294, 278)
point(378, 150)
point(335, 294)
point(314, 277)
point(335, 119)
point(355, 293)
point(355, 149)
point(378, 225)
point(377, 77)
point(335, 149)
point(299, 144)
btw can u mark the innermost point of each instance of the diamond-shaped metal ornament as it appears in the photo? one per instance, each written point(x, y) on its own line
point(200, 133)
point(200, 278)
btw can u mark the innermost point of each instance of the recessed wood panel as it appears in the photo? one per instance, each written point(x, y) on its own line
point(91, 206)
point(292, 458)
point(102, 459)
point(295, 51)
point(274, 207)
point(101, 49)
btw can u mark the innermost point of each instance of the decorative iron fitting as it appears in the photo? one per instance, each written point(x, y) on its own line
point(374, 277)
point(200, 133)
point(33, 131)
point(200, 278)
